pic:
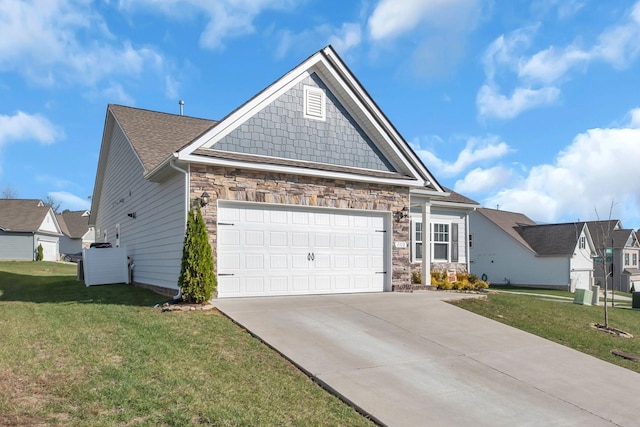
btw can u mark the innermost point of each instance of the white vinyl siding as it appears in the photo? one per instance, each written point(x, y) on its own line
point(154, 238)
point(451, 224)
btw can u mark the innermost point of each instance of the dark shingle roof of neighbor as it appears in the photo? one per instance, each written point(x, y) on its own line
point(156, 135)
point(602, 230)
point(552, 239)
point(22, 215)
point(74, 224)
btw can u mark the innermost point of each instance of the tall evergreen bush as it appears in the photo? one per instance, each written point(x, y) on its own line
point(197, 281)
point(40, 253)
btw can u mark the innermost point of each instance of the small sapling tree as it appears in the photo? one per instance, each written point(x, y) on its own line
point(197, 281)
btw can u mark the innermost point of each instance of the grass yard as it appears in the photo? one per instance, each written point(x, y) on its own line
point(101, 356)
point(564, 322)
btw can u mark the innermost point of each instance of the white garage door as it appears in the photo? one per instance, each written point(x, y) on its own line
point(273, 250)
point(49, 250)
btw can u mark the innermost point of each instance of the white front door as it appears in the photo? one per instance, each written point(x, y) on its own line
point(284, 250)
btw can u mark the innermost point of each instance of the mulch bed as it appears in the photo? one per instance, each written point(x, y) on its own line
point(611, 330)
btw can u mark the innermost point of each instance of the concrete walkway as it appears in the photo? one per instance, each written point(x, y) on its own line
point(413, 360)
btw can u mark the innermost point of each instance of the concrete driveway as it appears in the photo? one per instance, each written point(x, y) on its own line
point(414, 360)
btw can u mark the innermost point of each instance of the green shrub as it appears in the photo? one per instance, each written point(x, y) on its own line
point(473, 278)
point(445, 285)
point(197, 281)
point(416, 277)
point(40, 253)
point(633, 288)
point(481, 284)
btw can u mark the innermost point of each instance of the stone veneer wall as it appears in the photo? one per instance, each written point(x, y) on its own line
point(277, 188)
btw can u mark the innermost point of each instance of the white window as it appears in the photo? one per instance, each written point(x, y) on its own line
point(634, 259)
point(626, 258)
point(314, 103)
point(417, 241)
point(440, 241)
point(583, 242)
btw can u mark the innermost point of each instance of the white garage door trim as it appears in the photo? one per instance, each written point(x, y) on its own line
point(265, 249)
point(49, 250)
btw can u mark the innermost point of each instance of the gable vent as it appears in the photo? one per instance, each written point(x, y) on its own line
point(314, 103)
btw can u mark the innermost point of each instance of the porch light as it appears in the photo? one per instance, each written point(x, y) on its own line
point(203, 200)
point(401, 214)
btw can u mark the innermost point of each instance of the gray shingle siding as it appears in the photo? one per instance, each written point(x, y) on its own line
point(281, 130)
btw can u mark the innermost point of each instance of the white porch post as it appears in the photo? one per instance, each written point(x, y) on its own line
point(426, 243)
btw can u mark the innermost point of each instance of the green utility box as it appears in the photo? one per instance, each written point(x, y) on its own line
point(583, 297)
point(635, 300)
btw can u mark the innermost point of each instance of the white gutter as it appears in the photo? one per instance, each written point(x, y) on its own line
point(187, 188)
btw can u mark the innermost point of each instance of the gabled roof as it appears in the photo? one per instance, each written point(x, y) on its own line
point(552, 239)
point(329, 67)
point(156, 136)
point(509, 222)
point(74, 224)
point(22, 215)
point(621, 238)
point(602, 231)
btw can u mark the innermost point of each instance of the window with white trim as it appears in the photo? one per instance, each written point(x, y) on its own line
point(440, 241)
point(634, 259)
point(314, 103)
point(626, 258)
point(583, 242)
point(417, 241)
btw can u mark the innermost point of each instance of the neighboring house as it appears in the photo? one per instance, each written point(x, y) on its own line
point(620, 250)
point(510, 248)
point(76, 231)
point(306, 188)
point(24, 225)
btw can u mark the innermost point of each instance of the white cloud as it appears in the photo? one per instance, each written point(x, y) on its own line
point(226, 19)
point(70, 201)
point(343, 39)
point(493, 104)
point(390, 20)
point(476, 150)
point(598, 167)
point(47, 42)
point(539, 75)
point(347, 37)
point(484, 180)
point(28, 127)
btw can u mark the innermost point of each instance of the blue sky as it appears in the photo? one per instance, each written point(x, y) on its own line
point(533, 106)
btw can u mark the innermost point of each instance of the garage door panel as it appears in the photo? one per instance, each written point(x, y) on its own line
point(273, 250)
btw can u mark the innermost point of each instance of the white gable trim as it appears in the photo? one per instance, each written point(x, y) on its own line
point(299, 171)
point(327, 65)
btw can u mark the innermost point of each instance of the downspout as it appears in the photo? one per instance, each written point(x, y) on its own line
point(187, 188)
point(466, 242)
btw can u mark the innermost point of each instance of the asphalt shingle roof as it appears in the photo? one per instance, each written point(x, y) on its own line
point(74, 224)
point(155, 135)
point(458, 198)
point(509, 222)
point(552, 239)
point(22, 215)
point(601, 231)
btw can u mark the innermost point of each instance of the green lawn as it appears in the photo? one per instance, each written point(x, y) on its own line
point(102, 356)
point(564, 322)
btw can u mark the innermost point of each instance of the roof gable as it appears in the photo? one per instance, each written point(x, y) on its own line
point(509, 222)
point(373, 134)
point(552, 239)
point(74, 224)
point(281, 130)
point(602, 232)
point(26, 215)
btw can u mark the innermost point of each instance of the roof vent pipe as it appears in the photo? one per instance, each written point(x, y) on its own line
point(181, 103)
